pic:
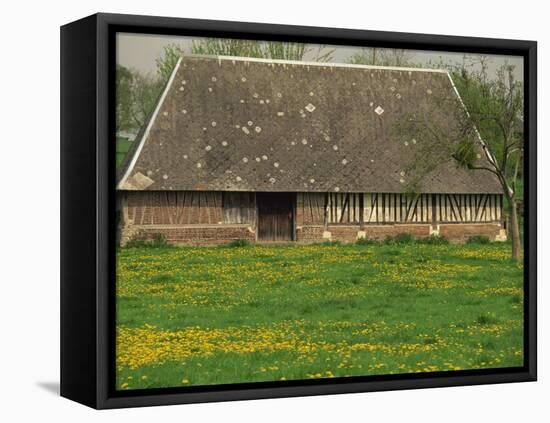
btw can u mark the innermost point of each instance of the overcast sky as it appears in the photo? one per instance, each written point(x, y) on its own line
point(139, 51)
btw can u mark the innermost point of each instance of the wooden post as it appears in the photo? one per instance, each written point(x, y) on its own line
point(361, 212)
point(434, 210)
point(294, 199)
point(325, 217)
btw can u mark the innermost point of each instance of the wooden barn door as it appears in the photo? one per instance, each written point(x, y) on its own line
point(275, 216)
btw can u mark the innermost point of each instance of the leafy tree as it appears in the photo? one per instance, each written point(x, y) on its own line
point(260, 49)
point(227, 47)
point(137, 93)
point(167, 62)
point(483, 134)
point(124, 80)
point(285, 51)
point(239, 48)
point(136, 96)
point(146, 90)
point(381, 57)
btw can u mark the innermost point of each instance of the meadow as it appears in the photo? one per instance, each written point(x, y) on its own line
point(191, 316)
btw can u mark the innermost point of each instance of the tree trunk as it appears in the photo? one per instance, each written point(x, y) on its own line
point(514, 229)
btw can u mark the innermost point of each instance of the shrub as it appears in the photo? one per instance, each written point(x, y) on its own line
point(237, 243)
point(328, 243)
point(486, 319)
point(478, 239)
point(399, 239)
point(434, 240)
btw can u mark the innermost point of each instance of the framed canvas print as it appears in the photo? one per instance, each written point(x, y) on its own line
point(255, 211)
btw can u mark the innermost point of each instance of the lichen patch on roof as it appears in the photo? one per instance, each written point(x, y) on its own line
point(329, 124)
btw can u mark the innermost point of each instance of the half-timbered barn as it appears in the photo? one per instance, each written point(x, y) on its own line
point(268, 150)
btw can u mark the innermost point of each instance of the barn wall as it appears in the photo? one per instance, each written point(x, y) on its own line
point(189, 207)
point(187, 217)
point(205, 218)
point(348, 216)
point(310, 208)
point(173, 207)
point(239, 207)
point(412, 208)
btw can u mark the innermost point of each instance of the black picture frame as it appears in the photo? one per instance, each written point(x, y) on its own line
point(88, 213)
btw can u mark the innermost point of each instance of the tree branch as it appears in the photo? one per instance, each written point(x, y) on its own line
point(484, 168)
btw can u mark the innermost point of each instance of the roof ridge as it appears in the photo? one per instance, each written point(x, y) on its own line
point(311, 63)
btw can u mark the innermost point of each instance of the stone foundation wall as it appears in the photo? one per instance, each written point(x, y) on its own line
point(309, 233)
point(350, 233)
point(223, 234)
point(343, 233)
point(378, 232)
point(383, 231)
point(190, 234)
point(461, 232)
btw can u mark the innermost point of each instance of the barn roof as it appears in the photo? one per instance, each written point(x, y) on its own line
point(241, 124)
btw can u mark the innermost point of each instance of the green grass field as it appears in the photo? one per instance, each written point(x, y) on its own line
point(198, 316)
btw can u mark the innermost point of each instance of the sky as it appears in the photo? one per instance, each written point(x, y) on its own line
point(139, 51)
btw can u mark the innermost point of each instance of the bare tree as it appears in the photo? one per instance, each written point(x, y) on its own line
point(482, 134)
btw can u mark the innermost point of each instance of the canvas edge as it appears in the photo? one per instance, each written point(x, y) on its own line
point(105, 195)
point(530, 169)
point(78, 309)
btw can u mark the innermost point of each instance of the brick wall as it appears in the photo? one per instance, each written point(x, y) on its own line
point(461, 232)
point(193, 235)
point(223, 234)
point(383, 231)
point(343, 233)
point(348, 233)
point(309, 233)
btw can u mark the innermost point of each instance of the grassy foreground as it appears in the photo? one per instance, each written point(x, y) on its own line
point(198, 316)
